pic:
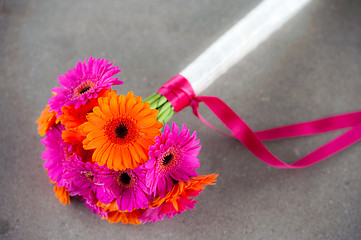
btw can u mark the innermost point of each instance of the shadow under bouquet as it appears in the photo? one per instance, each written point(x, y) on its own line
point(108, 150)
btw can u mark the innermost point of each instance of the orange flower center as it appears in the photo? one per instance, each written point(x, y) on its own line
point(122, 131)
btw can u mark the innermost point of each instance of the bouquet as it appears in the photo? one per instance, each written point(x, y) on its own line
point(108, 150)
point(117, 154)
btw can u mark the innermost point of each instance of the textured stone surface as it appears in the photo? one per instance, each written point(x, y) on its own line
point(309, 69)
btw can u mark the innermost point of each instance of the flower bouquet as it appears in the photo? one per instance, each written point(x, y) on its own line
point(108, 151)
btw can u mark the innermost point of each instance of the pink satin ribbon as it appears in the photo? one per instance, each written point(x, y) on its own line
point(180, 94)
point(178, 91)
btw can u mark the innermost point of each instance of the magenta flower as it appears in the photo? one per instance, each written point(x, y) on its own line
point(80, 179)
point(127, 187)
point(83, 83)
point(96, 209)
point(167, 209)
point(57, 152)
point(173, 158)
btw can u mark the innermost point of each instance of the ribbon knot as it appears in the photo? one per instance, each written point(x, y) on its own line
point(178, 91)
point(180, 94)
point(194, 103)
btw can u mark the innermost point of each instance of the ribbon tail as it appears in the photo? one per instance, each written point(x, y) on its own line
point(311, 127)
point(331, 148)
point(242, 131)
point(253, 143)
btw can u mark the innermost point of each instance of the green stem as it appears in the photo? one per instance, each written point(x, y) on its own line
point(159, 102)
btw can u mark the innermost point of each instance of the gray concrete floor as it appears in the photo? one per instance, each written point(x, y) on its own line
point(309, 69)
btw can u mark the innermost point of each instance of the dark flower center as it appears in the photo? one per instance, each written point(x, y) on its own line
point(121, 131)
point(85, 89)
point(125, 178)
point(167, 159)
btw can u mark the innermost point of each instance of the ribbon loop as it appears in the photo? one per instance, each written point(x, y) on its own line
point(180, 93)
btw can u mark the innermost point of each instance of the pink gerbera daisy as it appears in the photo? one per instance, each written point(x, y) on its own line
point(79, 177)
point(83, 83)
point(96, 209)
point(127, 187)
point(173, 158)
point(167, 209)
point(56, 154)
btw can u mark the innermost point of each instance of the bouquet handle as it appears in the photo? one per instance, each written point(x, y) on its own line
point(246, 35)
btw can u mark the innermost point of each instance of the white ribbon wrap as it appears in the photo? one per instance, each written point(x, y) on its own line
point(238, 41)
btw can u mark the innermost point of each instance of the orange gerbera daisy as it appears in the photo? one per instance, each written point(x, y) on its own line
point(121, 129)
point(73, 136)
point(114, 215)
point(196, 184)
point(177, 199)
point(46, 120)
point(73, 117)
point(190, 188)
point(62, 194)
point(124, 217)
